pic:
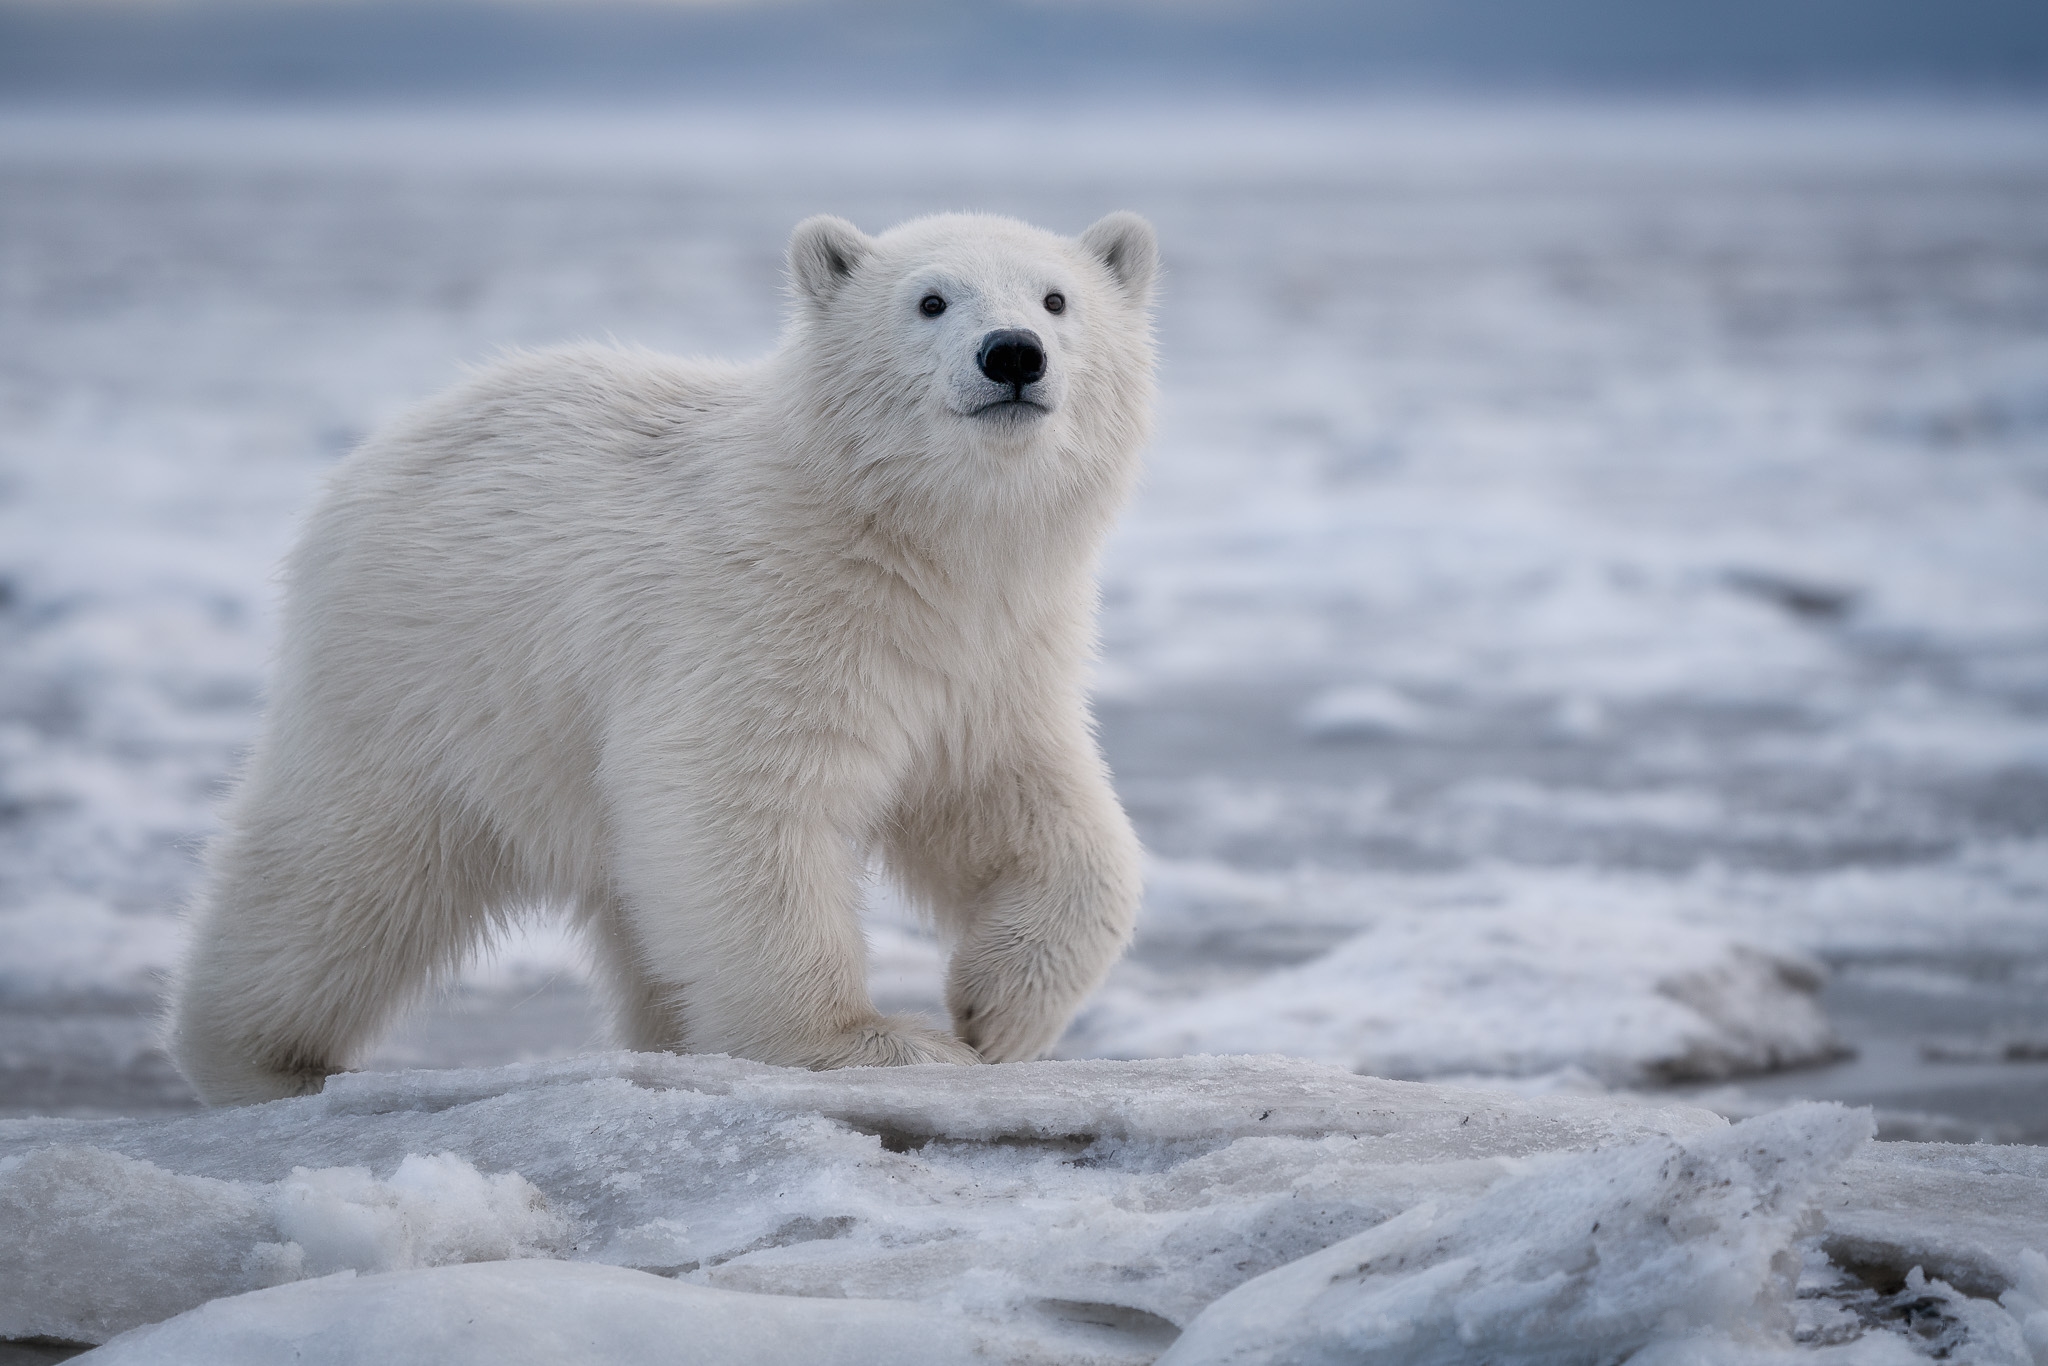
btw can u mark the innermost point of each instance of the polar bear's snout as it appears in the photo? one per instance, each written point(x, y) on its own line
point(1014, 359)
point(1012, 356)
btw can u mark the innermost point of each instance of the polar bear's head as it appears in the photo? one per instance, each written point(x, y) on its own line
point(968, 331)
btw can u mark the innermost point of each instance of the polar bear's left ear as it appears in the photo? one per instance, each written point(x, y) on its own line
point(823, 252)
point(1127, 245)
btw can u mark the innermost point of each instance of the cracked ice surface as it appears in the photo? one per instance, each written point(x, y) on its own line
point(1067, 1212)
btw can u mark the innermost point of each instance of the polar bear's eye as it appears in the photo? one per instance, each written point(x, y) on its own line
point(1055, 302)
point(931, 305)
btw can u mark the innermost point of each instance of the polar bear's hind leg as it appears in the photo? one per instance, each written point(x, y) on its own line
point(320, 927)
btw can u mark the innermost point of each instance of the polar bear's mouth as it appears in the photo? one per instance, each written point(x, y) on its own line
point(1015, 408)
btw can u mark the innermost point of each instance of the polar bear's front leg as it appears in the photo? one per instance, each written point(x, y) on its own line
point(1037, 872)
point(743, 915)
point(1045, 936)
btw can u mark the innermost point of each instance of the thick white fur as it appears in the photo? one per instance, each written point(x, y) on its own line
point(683, 644)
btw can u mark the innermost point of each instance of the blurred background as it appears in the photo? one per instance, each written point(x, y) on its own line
point(968, 52)
point(1585, 626)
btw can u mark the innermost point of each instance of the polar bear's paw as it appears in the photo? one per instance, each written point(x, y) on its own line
point(894, 1041)
point(1001, 1005)
point(1016, 1035)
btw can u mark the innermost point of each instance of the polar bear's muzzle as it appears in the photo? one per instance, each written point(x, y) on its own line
point(1014, 358)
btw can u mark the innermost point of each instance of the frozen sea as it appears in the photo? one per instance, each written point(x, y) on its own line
point(1584, 631)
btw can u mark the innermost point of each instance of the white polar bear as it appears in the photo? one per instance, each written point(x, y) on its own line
point(681, 645)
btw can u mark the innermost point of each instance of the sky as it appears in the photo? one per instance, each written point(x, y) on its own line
point(910, 50)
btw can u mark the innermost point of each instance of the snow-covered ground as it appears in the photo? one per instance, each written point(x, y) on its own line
point(1586, 628)
point(1217, 1210)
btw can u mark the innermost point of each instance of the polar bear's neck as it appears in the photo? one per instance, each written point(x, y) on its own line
point(946, 514)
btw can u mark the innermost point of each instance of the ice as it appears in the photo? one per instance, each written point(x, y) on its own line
point(63, 1206)
point(2027, 1301)
point(1545, 982)
point(200, 1237)
point(1072, 1212)
point(1593, 1257)
point(1017, 1192)
point(540, 1314)
point(1967, 1213)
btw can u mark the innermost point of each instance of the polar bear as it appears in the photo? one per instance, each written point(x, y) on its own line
point(682, 645)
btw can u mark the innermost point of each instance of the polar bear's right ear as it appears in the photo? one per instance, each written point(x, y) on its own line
point(823, 252)
point(1127, 245)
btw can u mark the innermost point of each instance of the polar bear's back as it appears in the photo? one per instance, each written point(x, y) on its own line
point(479, 575)
point(501, 502)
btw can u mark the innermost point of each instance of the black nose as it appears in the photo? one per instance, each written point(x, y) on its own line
point(1012, 356)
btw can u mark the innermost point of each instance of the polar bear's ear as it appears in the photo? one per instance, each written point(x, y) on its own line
point(823, 251)
point(1127, 245)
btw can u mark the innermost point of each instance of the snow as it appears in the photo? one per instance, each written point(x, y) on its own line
point(1552, 979)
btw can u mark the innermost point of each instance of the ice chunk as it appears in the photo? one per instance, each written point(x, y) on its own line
point(107, 1241)
point(540, 1314)
point(75, 1218)
point(1966, 1213)
point(1952, 1326)
point(1589, 1257)
point(2027, 1301)
point(433, 1211)
point(1089, 1207)
point(1508, 991)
